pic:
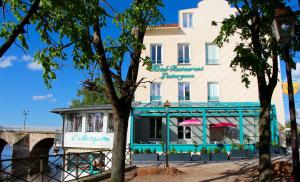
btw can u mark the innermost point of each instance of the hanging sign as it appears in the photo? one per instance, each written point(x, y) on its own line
point(285, 88)
point(176, 72)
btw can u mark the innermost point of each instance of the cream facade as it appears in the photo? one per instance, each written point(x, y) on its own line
point(188, 69)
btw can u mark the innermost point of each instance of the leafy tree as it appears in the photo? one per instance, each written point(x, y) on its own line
point(75, 29)
point(11, 29)
point(91, 97)
point(256, 55)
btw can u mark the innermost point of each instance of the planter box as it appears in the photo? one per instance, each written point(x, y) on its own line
point(145, 157)
point(195, 157)
point(219, 156)
point(205, 157)
point(249, 153)
point(238, 153)
point(180, 157)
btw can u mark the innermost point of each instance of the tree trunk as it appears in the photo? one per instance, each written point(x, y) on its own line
point(294, 137)
point(121, 116)
point(265, 171)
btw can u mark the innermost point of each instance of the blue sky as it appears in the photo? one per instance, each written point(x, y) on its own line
point(22, 87)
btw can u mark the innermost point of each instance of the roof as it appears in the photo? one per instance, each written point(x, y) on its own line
point(85, 108)
point(166, 26)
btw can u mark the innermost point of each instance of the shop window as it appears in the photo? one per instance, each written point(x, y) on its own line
point(183, 53)
point(155, 91)
point(156, 53)
point(213, 91)
point(95, 122)
point(183, 91)
point(110, 124)
point(212, 53)
point(183, 132)
point(74, 122)
point(187, 20)
point(155, 128)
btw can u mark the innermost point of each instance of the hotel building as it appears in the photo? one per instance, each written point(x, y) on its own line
point(195, 76)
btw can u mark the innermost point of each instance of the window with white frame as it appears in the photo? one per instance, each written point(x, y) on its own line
point(155, 91)
point(213, 91)
point(156, 53)
point(183, 53)
point(187, 20)
point(110, 124)
point(155, 128)
point(184, 91)
point(74, 122)
point(212, 53)
point(94, 122)
point(183, 132)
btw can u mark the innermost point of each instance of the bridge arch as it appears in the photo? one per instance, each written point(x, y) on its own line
point(3, 143)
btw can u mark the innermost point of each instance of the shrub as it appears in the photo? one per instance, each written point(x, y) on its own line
point(209, 151)
point(136, 151)
point(173, 150)
point(224, 150)
point(196, 147)
point(154, 151)
point(241, 146)
point(162, 146)
point(203, 150)
point(142, 151)
point(189, 152)
point(147, 151)
point(233, 146)
point(216, 150)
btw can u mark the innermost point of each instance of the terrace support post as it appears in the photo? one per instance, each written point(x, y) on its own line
point(272, 127)
point(204, 127)
point(241, 126)
point(131, 129)
point(276, 129)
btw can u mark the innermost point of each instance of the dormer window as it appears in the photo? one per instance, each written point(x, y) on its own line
point(187, 20)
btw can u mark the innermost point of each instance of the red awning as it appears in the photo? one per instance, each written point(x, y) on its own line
point(222, 124)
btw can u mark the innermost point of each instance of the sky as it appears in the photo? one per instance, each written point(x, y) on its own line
point(22, 87)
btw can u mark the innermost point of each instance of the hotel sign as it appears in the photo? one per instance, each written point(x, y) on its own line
point(88, 140)
point(176, 72)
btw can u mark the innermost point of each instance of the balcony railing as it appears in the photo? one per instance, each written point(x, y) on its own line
point(155, 98)
point(183, 98)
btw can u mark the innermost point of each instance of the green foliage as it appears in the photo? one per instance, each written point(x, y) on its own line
point(195, 147)
point(224, 151)
point(136, 151)
point(189, 151)
point(203, 150)
point(209, 151)
point(162, 146)
point(173, 150)
point(234, 146)
point(241, 146)
point(216, 150)
point(147, 151)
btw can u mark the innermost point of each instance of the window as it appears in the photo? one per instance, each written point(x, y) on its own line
point(187, 20)
point(74, 122)
point(213, 91)
point(183, 53)
point(155, 128)
point(184, 91)
point(110, 124)
point(183, 132)
point(155, 91)
point(212, 54)
point(94, 122)
point(156, 53)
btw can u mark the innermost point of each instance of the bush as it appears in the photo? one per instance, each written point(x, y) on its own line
point(196, 147)
point(209, 151)
point(203, 150)
point(147, 151)
point(142, 151)
point(216, 150)
point(224, 150)
point(189, 152)
point(241, 146)
point(233, 146)
point(136, 151)
point(173, 150)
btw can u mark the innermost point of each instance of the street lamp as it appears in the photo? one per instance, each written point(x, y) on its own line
point(25, 113)
point(283, 28)
point(167, 106)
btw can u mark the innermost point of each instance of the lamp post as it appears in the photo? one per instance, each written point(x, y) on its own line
point(166, 106)
point(283, 29)
point(25, 113)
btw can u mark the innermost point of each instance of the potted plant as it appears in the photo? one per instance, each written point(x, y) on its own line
point(162, 155)
point(175, 156)
point(237, 151)
point(205, 154)
point(195, 156)
point(219, 155)
point(144, 155)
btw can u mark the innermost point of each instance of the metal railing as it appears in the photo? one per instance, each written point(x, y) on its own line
point(61, 167)
point(31, 128)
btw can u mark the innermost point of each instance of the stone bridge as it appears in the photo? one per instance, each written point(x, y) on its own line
point(27, 144)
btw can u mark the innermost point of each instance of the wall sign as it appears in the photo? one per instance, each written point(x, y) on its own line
point(88, 140)
point(176, 72)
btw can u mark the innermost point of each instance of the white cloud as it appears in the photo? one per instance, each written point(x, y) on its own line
point(27, 58)
point(53, 100)
point(296, 73)
point(43, 97)
point(34, 66)
point(6, 61)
